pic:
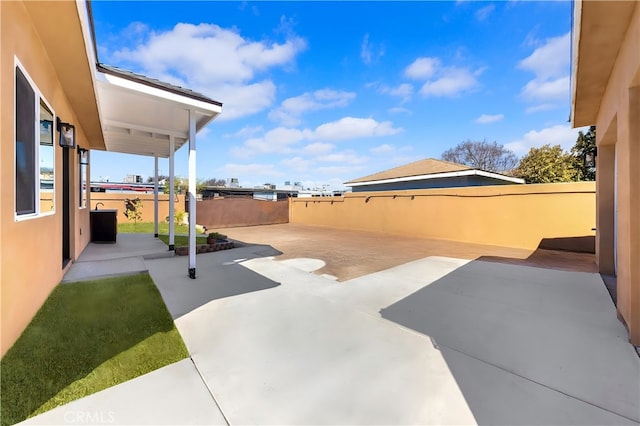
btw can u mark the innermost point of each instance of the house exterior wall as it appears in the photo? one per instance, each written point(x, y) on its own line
point(618, 165)
point(31, 249)
point(507, 215)
point(452, 182)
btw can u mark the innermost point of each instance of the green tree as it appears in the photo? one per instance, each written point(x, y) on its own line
point(584, 151)
point(547, 164)
point(133, 210)
point(483, 155)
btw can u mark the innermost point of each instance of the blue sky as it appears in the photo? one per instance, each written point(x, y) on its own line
point(325, 92)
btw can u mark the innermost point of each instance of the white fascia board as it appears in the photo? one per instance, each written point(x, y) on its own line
point(577, 25)
point(436, 176)
point(188, 103)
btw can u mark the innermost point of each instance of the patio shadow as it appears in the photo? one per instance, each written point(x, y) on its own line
point(219, 275)
point(528, 345)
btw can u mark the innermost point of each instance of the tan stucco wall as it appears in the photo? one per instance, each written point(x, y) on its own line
point(117, 200)
point(31, 250)
point(232, 212)
point(619, 118)
point(506, 215)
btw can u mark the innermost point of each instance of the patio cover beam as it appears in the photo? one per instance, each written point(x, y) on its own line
point(171, 195)
point(155, 196)
point(192, 194)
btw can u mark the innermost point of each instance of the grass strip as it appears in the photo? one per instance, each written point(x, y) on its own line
point(181, 240)
point(87, 336)
point(147, 228)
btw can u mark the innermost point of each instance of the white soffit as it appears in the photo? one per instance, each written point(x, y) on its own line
point(140, 119)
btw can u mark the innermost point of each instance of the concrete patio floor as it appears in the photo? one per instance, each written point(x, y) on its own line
point(437, 340)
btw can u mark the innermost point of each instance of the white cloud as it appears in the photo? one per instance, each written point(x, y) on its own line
point(483, 13)
point(191, 55)
point(339, 170)
point(348, 157)
point(560, 134)
point(382, 149)
point(297, 164)
point(399, 110)
point(266, 170)
point(289, 112)
point(243, 100)
point(541, 107)
point(422, 68)
point(540, 90)
point(284, 140)
point(279, 140)
point(404, 91)
point(549, 60)
point(488, 118)
point(452, 81)
point(245, 132)
point(353, 128)
point(550, 65)
point(441, 80)
point(370, 52)
point(318, 148)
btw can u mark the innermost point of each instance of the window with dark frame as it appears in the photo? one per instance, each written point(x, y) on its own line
point(34, 150)
point(25, 194)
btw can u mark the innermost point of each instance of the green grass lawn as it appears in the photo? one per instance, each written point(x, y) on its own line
point(87, 336)
point(163, 231)
point(147, 228)
point(181, 240)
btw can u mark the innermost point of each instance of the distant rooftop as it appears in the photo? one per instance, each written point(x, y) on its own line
point(427, 166)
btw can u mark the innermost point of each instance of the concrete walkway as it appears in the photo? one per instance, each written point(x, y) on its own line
point(434, 341)
point(124, 257)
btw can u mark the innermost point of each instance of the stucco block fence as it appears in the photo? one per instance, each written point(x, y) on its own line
point(520, 216)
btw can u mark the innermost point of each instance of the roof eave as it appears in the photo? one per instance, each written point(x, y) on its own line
point(471, 172)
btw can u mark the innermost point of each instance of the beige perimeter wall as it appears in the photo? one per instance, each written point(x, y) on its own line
point(506, 215)
point(230, 212)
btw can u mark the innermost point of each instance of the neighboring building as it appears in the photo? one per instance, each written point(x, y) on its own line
point(57, 104)
point(126, 187)
point(606, 93)
point(261, 193)
point(133, 179)
point(429, 173)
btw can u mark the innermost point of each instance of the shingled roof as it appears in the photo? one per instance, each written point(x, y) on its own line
point(428, 166)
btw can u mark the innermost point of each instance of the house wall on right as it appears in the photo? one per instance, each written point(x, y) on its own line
point(607, 94)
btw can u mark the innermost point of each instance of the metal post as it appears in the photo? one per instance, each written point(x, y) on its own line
point(192, 194)
point(171, 194)
point(155, 199)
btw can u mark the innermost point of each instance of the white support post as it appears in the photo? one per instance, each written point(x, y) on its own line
point(155, 198)
point(172, 144)
point(192, 194)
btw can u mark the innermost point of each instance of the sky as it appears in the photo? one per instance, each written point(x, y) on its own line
point(325, 92)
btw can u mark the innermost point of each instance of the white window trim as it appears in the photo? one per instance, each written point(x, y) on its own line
point(82, 192)
point(39, 97)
